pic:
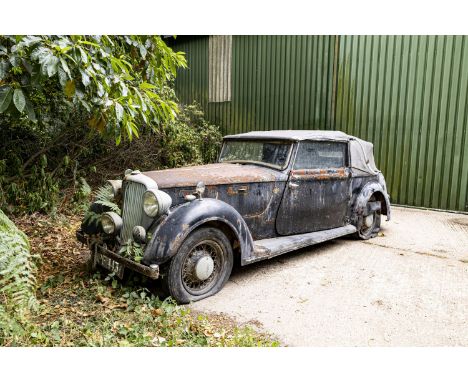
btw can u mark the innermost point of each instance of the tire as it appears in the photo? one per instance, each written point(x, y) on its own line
point(369, 230)
point(184, 277)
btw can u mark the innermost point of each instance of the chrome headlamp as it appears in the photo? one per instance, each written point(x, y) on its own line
point(156, 202)
point(111, 223)
point(116, 186)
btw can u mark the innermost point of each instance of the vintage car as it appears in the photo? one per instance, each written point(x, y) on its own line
point(271, 192)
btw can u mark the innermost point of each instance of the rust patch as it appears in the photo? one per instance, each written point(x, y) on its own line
point(320, 174)
point(214, 174)
point(235, 190)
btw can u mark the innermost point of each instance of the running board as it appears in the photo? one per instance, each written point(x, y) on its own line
point(268, 248)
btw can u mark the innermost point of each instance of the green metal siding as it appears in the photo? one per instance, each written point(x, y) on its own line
point(271, 82)
point(192, 83)
point(406, 94)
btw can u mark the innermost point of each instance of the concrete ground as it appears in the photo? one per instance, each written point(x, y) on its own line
point(407, 287)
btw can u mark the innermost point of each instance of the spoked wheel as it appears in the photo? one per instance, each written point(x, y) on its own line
point(201, 267)
point(370, 226)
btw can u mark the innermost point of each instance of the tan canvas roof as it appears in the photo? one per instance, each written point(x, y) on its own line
point(361, 152)
point(293, 135)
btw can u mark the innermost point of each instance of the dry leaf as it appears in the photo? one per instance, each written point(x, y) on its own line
point(102, 299)
point(157, 312)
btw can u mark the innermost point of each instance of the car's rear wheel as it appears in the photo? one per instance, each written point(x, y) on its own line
point(201, 267)
point(370, 225)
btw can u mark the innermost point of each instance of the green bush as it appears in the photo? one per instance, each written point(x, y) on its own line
point(190, 139)
point(120, 82)
point(63, 98)
point(43, 168)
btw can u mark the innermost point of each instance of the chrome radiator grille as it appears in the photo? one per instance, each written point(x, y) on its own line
point(132, 212)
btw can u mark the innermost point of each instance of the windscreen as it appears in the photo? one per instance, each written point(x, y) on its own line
point(271, 153)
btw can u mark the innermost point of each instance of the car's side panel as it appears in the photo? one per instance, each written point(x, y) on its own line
point(171, 231)
point(261, 221)
point(317, 194)
point(257, 203)
point(314, 200)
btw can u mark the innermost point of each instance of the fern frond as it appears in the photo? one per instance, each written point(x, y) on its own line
point(17, 267)
point(104, 193)
point(114, 207)
point(105, 197)
point(91, 217)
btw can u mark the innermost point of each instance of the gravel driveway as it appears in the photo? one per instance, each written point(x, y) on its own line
point(407, 287)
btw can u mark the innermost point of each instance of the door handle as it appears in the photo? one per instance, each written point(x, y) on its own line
point(237, 190)
point(293, 185)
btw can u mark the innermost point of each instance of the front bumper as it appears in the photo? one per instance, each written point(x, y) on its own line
point(151, 272)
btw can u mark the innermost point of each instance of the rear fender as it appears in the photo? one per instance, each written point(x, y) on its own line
point(366, 192)
point(171, 232)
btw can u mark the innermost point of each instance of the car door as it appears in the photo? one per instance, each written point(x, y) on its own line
point(317, 194)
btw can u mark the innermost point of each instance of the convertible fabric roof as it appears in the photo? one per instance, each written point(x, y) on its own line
point(361, 152)
point(294, 135)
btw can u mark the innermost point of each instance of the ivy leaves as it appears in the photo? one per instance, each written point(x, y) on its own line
point(123, 82)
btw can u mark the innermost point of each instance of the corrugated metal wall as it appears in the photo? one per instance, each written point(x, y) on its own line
point(271, 77)
point(406, 94)
point(192, 83)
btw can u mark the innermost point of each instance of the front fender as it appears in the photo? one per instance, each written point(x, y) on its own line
point(170, 233)
point(366, 192)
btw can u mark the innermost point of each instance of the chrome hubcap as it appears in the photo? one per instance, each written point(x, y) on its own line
point(201, 267)
point(204, 268)
point(369, 220)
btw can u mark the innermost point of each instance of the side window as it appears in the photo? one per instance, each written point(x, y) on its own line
point(313, 155)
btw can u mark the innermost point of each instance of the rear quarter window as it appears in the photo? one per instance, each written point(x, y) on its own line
point(316, 155)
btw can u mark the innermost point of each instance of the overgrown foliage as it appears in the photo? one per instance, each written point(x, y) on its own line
point(64, 99)
point(104, 197)
point(65, 161)
point(190, 139)
point(120, 82)
point(17, 278)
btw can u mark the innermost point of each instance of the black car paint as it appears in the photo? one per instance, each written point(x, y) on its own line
point(257, 203)
point(171, 231)
point(253, 211)
point(249, 211)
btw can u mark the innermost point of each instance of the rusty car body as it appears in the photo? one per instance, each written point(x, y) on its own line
point(271, 192)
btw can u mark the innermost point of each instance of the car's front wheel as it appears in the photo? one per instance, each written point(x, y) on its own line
point(201, 267)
